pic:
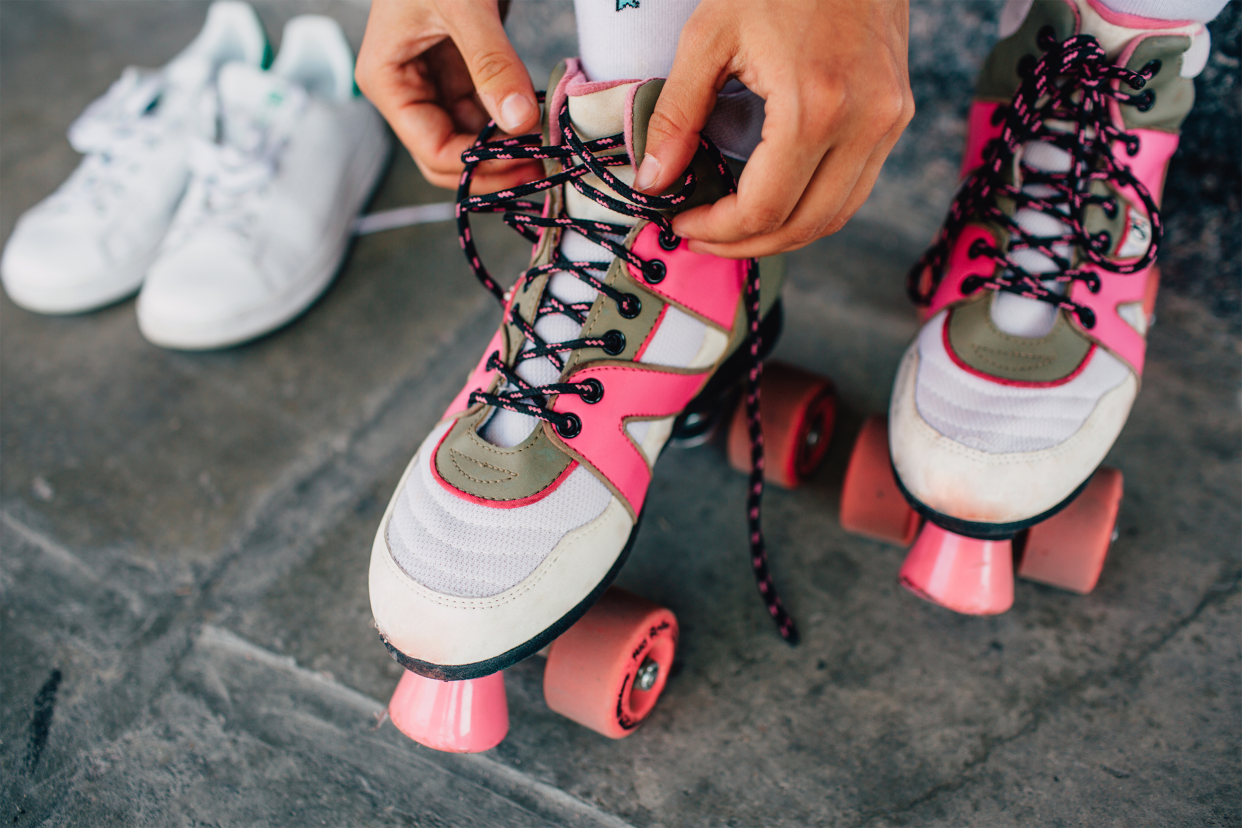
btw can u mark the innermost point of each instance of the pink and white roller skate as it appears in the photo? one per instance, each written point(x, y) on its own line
point(521, 505)
point(1038, 292)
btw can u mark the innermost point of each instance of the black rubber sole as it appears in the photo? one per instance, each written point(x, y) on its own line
point(479, 669)
point(984, 531)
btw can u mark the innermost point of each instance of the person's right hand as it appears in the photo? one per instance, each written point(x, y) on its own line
point(437, 70)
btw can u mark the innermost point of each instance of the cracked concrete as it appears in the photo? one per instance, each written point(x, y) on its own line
point(184, 624)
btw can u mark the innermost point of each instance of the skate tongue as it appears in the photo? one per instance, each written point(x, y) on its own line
point(251, 101)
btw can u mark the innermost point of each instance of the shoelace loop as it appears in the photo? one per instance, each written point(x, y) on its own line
point(527, 218)
point(1071, 83)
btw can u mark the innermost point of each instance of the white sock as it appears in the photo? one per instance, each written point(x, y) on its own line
point(629, 39)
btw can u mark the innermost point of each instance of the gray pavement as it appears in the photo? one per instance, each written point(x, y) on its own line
point(185, 636)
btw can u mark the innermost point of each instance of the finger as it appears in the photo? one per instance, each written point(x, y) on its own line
point(775, 178)
point(500, 78)
point(836, 191)
point(699, 71)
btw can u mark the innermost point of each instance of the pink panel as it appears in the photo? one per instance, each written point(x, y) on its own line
point(629, 391)
point(454, 716)
point(961, 266)
point(480, 378)
point(979, 132)
point(1110, 330)
point(708, 286)
point(1151, 162)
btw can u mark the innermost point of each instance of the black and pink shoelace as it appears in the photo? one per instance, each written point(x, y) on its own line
point(1073, 82)
point(526, 217)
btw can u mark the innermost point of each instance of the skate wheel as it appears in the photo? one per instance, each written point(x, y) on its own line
point(606, 671)
point(871, 503)
point(1068, 549)
point(454, 716)
point(798, 410)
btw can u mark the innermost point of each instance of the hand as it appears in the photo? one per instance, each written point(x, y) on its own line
point(836, 85)
point(437, 70)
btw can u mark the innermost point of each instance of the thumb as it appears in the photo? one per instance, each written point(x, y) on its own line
point(499, 77)
point(689, 95)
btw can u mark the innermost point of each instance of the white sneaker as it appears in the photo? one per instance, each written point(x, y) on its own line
point(90, 242)
point(270, 207)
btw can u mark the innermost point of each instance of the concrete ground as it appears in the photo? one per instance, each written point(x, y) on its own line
point(185, 636)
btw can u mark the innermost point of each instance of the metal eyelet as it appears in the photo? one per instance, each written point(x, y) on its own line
point(630, 306)
point(1145, 101)
point(596, 392)
point(569, 427)
point(977, 248)
point(654, 272)
point(1111, 207)
point(970, 284)
point(671, 243)
point(1155, 65)
point(1102, 241)
point(1087, 317)
point(1046, 38)
point(614, 342)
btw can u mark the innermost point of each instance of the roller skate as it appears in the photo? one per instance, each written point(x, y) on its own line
point(521, 506)
point(1038, 293)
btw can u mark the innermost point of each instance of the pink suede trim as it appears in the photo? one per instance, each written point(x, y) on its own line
point(1133, 21)
point(630, 392)
point(480, 379)
point(496, 504)
point(707, 286)
point(960, 363)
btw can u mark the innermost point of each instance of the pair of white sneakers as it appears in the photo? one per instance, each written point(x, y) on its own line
point(224, 190)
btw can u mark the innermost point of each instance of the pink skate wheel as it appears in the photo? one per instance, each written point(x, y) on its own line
point(454, 716)
point(966, 575)
point(1068, 549)
point(606, 671)
point(871, 503)
point(798, 410)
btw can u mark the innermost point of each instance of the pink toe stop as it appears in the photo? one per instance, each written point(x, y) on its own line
point(966, 575)
point(454, 716)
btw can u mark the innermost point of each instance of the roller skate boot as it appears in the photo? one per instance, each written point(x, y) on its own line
point(1038, 293)
point(522, 504)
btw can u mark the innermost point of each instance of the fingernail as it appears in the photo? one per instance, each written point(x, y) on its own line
point(516, 110)
point(648, 173)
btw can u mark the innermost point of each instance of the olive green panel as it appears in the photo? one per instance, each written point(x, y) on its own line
point(605, 316)
point(1174, 95)
point(709, 188)
point(980, 344)
point(999, 79)
point(479, 468)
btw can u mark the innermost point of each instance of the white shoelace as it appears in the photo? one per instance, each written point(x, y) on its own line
point(241, 162)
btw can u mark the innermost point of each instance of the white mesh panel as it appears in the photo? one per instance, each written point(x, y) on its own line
point(676, 342)
point(1000, 419)
point(466, 549)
